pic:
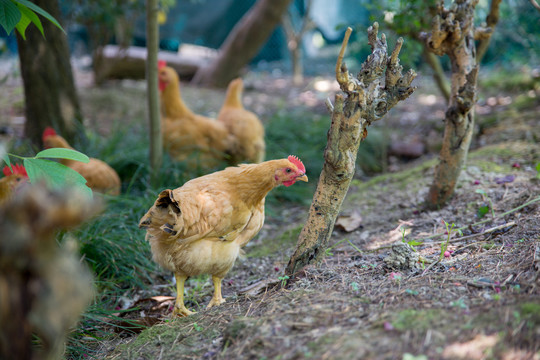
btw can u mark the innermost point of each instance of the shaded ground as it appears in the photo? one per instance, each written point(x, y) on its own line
point(480, 302)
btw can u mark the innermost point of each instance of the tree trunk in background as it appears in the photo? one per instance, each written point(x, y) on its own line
point(438, 73)
point(491, 21)
point(378, 87)
point(453, 34)
point(243, 43)
point(49, 90)
point(154, 118)
point(294, 40)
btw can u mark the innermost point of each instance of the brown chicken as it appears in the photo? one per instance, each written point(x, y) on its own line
point(244, 125)
point(12, 180)
point(99, 175)
point(200, 227)
point(185, 132)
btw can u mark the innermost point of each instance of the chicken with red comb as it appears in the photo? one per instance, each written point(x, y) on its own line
point(186, 133)
point(12, 181)
point(200, 227)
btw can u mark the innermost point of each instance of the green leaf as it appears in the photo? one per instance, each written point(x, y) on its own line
point(5, 157)
point(29, 16)
point(482, 211)
point(480, 191)
point(40, 11)
point(22, 25)
point(415, 243)
point(9, 15)
point(56, 175)
point(62, 153)
point(538, 170)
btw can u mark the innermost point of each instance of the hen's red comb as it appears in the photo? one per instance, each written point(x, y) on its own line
point(49, 131)
point(296, 161)
point(161, 64)
point(17, 170)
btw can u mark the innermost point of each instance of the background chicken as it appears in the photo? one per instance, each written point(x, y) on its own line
point(244, 125)
point(99, 175)
point(11, 181)
point(200, 227)
point(185, 132)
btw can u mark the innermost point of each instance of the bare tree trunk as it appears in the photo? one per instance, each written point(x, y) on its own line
point(294, 41)
point(491, 21)
point(378, 87)
point(243, 43)
point(453, 34)
point(49, 91)
point(156, 142)
point(438, 73)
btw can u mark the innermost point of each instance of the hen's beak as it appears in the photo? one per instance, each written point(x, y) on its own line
point(302, 178)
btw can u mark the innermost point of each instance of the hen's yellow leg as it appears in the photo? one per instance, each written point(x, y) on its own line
point(179, 307)
point(217, 299)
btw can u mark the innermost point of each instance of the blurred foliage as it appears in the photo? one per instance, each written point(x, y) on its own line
point(105, 19)
point(515, 39)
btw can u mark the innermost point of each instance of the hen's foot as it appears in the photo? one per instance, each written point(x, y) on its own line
point(215, 302)
point(181, 311)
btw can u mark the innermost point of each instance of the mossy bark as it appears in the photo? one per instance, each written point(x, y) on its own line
point(378, 87)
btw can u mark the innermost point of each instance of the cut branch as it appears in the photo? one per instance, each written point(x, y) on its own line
point(367, 97)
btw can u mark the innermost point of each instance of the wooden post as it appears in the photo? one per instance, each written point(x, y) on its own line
point(152, 43)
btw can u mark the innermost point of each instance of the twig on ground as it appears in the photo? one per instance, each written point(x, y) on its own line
point(507, 225)
point(430, 266)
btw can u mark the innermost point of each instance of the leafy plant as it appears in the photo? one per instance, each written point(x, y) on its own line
point(283, 280)
point(18, 14)
point(55, 174)
point(444, 245)
point(484, 209)
point(411, 243)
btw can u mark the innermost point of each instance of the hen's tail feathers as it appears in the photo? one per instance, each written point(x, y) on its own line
point(163, 216)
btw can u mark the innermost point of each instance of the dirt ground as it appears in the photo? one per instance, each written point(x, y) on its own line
point(480, 302)
point(373, 296)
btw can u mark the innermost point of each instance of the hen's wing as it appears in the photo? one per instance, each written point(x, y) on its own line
point(183, 216)
point(253, 226)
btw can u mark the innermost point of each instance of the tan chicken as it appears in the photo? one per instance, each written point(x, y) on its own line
point(12, 180)
point(200, 227)
point(244, 125)
point(185, 132)
point(99, 175)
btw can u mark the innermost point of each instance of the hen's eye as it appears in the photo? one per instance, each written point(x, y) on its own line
point(288, 170)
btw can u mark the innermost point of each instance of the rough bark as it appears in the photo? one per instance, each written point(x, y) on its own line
point(368, 97)
point(243, 43)
point(453, 34)
point(49, 91)
point(154, 119)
